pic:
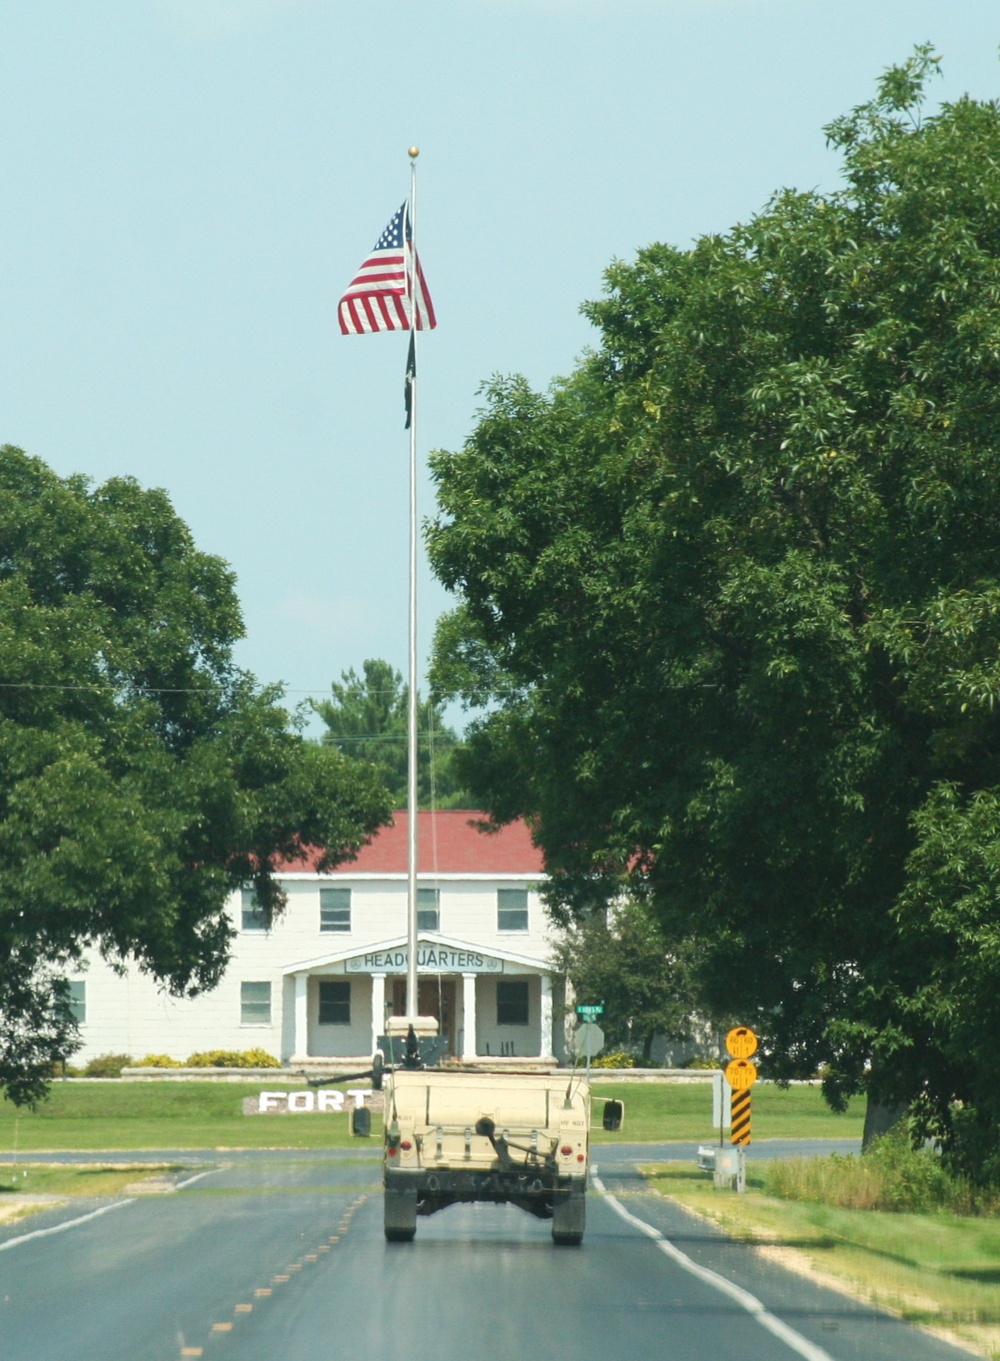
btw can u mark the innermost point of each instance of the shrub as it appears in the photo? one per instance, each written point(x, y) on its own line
point(700, 1063)
point(617, 1060)
point(260, 1058)
point(108, 1065)
point(912, 1179)
point(892, 1175)
point(159, 1061)
point(233, 1058)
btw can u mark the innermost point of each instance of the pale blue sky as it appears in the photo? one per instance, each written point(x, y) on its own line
point(189, 186)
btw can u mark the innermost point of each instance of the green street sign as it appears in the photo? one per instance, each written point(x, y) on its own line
point(597, 1009)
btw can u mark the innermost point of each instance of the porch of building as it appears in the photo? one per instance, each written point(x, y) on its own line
point(490, 1004)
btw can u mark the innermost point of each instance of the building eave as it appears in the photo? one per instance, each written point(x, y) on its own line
point(424, 938)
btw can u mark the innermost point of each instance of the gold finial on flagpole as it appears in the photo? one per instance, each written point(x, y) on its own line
point(413, 152)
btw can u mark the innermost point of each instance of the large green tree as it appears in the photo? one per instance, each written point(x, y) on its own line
point(367, 720)
point(621, 959)
point(733, 593)
point(143, 776)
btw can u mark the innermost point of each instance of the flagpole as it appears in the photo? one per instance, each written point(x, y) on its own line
point(412, 1001)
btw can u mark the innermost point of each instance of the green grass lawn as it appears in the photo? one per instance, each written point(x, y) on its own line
point(28, 1189)
point(208, 1114)
point(171, 1114)
point(937, 1270)
point(46, 1179)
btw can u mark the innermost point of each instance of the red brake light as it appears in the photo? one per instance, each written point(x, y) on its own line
point(391, 1151)
point(566, 1150)
point(406, 1145)
point(579, 1157)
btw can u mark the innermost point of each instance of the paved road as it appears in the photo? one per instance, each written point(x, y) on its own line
point(282, 1256)
point(682, 1150)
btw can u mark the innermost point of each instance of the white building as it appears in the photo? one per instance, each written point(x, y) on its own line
point(320, 983)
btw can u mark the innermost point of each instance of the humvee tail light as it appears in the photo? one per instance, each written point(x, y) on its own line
point(566, 1150)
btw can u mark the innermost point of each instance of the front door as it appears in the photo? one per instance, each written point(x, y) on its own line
point(435, 997)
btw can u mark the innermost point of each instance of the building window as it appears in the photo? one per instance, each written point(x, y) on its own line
point(76, 996)
point(512, 909)
point(335, 909)
point(512, 1002)
point(428, 909)
point(255, 1004)
point(252, 916)
point(334, 1003)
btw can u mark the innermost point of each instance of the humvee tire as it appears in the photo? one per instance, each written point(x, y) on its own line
point(569, 1215)
point(400, 1216)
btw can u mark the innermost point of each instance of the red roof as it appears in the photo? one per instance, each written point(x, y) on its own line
point(448, 842)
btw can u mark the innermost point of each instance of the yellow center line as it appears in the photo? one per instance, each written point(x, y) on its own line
point(280, 1278)
point(243, 1309)
point(191, 1351)
point(262, 1291)
point(222, 1327)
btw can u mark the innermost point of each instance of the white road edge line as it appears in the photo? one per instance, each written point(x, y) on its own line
point(197, 1177)
point(105, 1209)
point(799, 1344)
point(69, 1224)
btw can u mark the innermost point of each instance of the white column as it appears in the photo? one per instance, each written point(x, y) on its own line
point(468, 1016)
point(569, 1014)
point(378, 1008)
point(300, 1032)
point(546, 1016)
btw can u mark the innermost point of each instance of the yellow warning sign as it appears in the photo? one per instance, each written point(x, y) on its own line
point(741, 1117)
point(741, 1043)
point(740, 1074)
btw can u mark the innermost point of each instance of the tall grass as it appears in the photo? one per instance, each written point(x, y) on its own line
point(891, 1176)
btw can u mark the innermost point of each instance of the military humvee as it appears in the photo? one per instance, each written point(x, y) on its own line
point(517, 1138)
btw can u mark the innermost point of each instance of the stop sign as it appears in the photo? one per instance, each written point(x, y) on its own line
point(589, 1039)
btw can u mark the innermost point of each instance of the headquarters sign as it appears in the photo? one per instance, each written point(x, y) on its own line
point(430, 959)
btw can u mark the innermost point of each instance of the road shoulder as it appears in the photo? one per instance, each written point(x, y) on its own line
point(841, 1322)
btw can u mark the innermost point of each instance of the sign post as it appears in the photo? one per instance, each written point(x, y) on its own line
point(741, 1074)
point(591, 1038)
point(720, 1105)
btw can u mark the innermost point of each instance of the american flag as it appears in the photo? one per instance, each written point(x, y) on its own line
point(378, 298)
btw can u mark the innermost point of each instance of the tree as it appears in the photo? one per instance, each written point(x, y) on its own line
point(143, 777)
point(733, 592)
point(622, 959)
point(367, 720)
